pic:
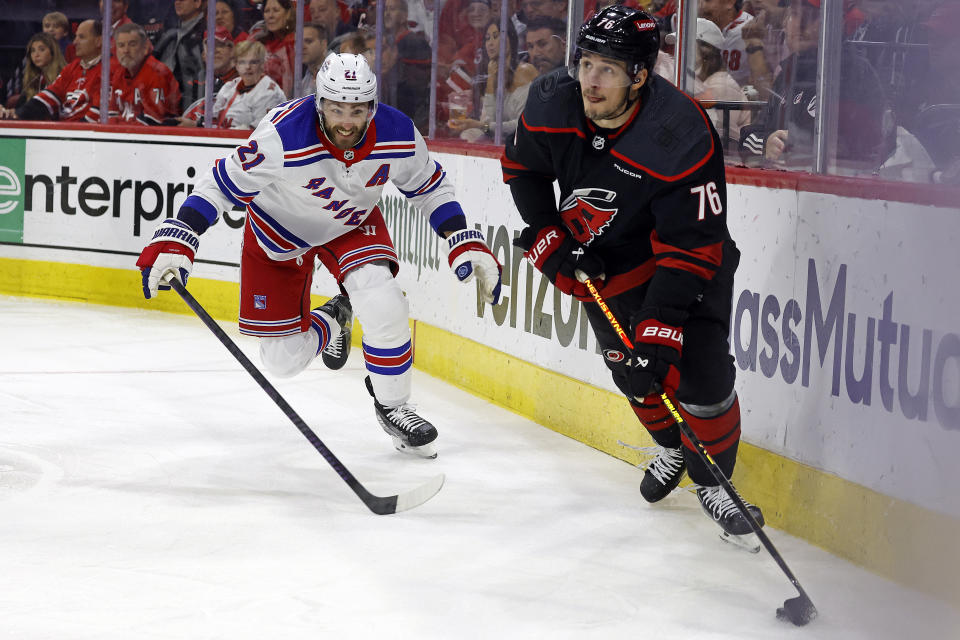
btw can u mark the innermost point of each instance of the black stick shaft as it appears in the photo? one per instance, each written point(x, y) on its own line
point(368, 498)
point(701, 451)
point(718, 475)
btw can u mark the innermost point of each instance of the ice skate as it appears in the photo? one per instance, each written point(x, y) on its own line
point(335, 355)
point(663, 474)
point(735, 527)
point(410, 432)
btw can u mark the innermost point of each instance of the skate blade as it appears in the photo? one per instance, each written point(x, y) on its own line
point(748, 542)
point(428, 450)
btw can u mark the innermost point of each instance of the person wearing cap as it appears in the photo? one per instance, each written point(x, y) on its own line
point(142, 89)
point(712, 82)
point(311, 177)
point(223, 72)
point(224, 69)
point(730, 17)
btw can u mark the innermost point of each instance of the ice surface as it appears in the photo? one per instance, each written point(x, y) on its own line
point(149, 489)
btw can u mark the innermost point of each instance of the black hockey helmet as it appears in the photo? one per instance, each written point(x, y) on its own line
point(621, 33)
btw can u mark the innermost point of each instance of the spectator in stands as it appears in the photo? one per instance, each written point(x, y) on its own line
point(223, 72)
point(328, 14)
point(223, 68)
point(713, 83)
point(76, 89)
point(470, 37)
point(155, 16)
point(534, 9)
point(42, 64)
point(243, 101)
point(314, 53)
point(405, 65)
point(547, 44)
point(248, 13)
point(763, 36)
point(730, 17)
point(226, 18)
point(420, 16)
point(519, 75)
point(56, 25)
point(783, 133)
point(181, 49)
point(277, 36)
point(118, 14)
point(933, 111)
point(142, 89)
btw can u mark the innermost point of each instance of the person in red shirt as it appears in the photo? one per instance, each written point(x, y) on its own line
point(77, 88)
point(278, 38)
point(143, 89)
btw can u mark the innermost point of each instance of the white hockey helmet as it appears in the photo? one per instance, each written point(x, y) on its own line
point(346, 77)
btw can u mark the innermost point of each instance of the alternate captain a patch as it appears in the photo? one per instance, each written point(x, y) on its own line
point(259, 302)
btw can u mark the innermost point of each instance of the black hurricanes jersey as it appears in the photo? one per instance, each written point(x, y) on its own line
point(648, 198)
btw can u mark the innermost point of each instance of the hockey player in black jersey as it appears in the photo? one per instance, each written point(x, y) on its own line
point(642, 212)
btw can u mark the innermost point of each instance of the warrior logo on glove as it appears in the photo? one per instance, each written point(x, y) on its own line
point(470, 255)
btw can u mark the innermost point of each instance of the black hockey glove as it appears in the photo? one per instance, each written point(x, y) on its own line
point(558, 256)
point(657, 346)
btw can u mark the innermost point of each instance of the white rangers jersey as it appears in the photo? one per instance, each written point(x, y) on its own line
point(734, 49)
point(236, 109)
point(300, 191)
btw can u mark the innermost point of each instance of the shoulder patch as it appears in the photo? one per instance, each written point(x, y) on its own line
point(674, 129)
point(547, 87)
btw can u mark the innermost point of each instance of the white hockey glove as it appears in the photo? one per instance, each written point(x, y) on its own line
point(172, 249)
point(470, 255)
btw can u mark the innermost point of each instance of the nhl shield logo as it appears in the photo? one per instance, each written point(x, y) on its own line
point(598, 142)
point(348, 155)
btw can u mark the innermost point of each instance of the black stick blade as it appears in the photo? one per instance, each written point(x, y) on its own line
point(799, 611)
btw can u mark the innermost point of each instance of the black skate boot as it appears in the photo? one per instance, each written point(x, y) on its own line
point(410, 432)
point(336, 353)
point(722, 510)
point(663, 474)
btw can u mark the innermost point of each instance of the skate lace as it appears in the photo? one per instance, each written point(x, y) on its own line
point(405, 418)
point(665, 464)
point(334, 347)
point(719, 503)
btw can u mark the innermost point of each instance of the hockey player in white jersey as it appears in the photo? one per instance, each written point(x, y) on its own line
point(310, 177)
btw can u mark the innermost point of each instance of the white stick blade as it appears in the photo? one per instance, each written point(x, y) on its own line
point(421, 494)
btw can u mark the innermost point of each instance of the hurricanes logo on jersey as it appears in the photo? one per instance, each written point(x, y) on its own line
point(585, 214)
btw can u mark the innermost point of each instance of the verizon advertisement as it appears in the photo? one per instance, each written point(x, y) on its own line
point(845, 329)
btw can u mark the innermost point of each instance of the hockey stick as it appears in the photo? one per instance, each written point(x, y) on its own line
point(377, 504)
point(798, 610)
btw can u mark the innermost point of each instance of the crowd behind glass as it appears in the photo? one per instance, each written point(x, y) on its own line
point(756, 65)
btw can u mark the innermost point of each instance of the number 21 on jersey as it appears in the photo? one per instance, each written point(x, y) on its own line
point(708, 194)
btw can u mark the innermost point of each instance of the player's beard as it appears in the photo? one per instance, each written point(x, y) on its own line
point(345, 141)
